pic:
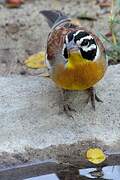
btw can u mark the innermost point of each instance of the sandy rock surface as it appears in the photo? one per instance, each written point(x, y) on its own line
point(29, 113)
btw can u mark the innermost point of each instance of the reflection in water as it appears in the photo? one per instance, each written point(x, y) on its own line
point(69, 174)
point(106, 173)
point(45, 177)
point(112, 172)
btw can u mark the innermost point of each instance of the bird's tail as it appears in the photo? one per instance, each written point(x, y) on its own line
point(54, 17)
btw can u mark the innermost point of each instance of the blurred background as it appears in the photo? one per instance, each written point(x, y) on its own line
point(23, 30)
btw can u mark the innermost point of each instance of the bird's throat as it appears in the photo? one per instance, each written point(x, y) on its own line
point(75, 59)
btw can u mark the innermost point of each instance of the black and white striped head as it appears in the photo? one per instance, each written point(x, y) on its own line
point(83, 42)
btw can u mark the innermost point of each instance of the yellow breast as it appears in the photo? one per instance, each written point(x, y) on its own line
point(78, 73)
point(79, 77)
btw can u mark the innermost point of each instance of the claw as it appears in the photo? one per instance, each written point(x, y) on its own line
point(93, 96)
point(68, 110)
point(98, 99)
point(65, 105)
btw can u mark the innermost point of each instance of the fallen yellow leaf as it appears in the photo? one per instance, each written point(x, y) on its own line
point(36, 61)
point(95, 155)
point(75, 21)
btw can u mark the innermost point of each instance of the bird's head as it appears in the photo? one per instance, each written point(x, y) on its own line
point(80, 46)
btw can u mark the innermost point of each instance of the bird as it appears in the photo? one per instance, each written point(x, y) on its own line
point(75, 57)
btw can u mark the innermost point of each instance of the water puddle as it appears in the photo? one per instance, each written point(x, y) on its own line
point(106, 173)
point(54, 171)
point(44, 177)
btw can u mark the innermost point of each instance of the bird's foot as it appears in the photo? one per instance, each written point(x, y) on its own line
point(93, 97)
point(68, 110)
point(65, 104)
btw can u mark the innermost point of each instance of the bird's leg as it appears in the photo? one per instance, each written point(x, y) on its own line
point(66, 107)
point(93, 96)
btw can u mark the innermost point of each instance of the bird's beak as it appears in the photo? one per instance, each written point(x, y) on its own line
point(75, 57)
point(72, 50)
point(72, 47)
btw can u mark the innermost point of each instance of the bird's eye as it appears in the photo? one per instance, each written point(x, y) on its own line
point(85, 42)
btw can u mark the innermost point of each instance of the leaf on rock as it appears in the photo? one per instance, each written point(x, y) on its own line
point(36, 61)
point(95, 155)
point(75, 21)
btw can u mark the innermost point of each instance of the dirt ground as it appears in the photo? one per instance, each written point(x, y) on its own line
point(23, 30)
